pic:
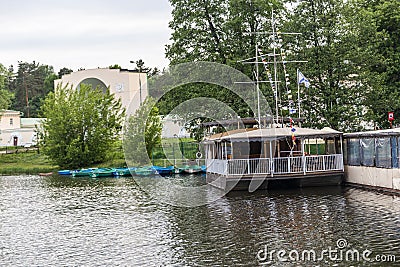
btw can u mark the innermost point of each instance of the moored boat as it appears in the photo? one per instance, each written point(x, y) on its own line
point(164, 170)
point(203, 168)
point(178, 170)
point(124, 171)
point(192, 169)
point(103, 172)
point(144, 171)
point(83, 173)
point(45, 174)
point(64, 172)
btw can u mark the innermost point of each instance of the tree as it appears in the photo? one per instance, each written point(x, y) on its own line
point(29, 87)
point(64, 71)
point(378, 24)
point(5, 95)
point(114, 67)
point(80, 126)
point(142, 133)
point(336, 95)
point(216, 31)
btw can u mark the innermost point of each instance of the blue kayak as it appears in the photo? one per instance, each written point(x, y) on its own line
point(164, 170)
point(65, 172)
point(124, 171)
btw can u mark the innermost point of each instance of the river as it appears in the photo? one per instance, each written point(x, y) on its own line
point(61, 221)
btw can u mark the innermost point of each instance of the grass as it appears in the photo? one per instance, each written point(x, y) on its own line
point(25, 163)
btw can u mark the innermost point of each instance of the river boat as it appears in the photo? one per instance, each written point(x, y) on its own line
point(192, 169)
point(103, 172)
point(178, 169)
point(274, 148)
point(145, 171)
point(83, 172)
point(45, 174)
point(124, 171)
point(65, 172)
point(164, 170)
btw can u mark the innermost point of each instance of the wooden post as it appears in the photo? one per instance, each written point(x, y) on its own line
point(304, 156)
point(271, 159)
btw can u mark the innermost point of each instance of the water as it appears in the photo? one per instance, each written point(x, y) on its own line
point(56, 221)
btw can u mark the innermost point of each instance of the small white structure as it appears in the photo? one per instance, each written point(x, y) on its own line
point(129, 86)
point(17, 131)
point(173, 128)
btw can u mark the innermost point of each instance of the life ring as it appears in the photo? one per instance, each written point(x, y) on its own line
point(199, 155)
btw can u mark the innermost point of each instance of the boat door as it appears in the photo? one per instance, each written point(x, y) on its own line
point(15, 140)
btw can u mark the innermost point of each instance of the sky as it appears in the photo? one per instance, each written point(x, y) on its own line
point(84, 33)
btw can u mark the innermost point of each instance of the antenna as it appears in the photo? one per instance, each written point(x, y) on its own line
point(272, 77)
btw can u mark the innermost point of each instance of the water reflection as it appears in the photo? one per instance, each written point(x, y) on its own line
point(98, 222)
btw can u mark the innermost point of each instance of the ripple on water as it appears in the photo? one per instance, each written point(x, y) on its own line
point(98, 222)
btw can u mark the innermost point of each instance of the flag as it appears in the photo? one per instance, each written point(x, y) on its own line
point(303, 79)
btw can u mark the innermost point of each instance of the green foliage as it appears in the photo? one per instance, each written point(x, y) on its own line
point(115, 66)
point(215, 31)
point(379, 37)
point(5, 95)
point(33, 81)
point(64, 71)
point(328, 43)
point(352, 49)
point(81, 126)
point(142, 133)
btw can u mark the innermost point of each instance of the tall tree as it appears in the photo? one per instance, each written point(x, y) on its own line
point(30, 86)
point(327, 42)
point(378, 25)
point(217, 31)
point(5, 95)
point(81, 125)
point(197, 31)
point(64, 71)
point(142, 133)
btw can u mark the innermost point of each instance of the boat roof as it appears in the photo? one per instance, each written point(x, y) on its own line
point(273, 134)
point(376, 133)
point(229, 133)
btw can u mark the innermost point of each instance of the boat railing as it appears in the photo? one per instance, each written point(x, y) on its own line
point(249, 166)
point(218, 166)
point(282, 165)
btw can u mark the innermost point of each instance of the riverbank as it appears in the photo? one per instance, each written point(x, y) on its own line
point(32, 162)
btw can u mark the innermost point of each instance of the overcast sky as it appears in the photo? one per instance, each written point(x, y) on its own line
point(84, 33)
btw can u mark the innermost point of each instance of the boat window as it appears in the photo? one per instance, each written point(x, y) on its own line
point(353, 148)
point(368, 152)
point(383, 153)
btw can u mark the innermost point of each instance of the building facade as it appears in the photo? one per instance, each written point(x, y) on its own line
point(17, 131)
point(129, 86)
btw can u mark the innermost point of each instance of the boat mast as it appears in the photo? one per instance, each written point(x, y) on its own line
point(258, 88)
point(274, 44)
point(274, 37)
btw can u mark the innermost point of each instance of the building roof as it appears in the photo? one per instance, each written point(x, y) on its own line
point(377, 133)
point(4, 111)
point(274, 133)
point(30, 122)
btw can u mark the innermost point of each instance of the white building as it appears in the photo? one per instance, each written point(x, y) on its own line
point(17, 131)
point(129, 86)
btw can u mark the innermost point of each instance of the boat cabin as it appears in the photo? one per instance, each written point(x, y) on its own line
point(234, 159)
point(372, 159)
